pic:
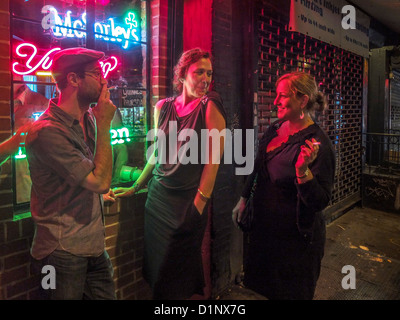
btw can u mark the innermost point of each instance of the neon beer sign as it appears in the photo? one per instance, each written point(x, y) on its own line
point(28, 51)
point(118, 136)
point(108, 65)
point(21, 51)
point(106, 30)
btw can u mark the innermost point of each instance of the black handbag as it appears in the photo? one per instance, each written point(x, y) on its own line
point(246, 221)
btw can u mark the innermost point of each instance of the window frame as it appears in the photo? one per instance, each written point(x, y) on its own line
point(19, 208)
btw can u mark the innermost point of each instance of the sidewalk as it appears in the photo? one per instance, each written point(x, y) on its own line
point(368, 240)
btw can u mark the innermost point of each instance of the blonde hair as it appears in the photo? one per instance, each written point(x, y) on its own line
point(301, 83)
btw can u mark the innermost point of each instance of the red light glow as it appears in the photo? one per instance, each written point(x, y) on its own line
point(23, 50)
point(108, 65)
point(29, 51)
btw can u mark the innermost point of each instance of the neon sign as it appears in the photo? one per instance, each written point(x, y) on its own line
point(45, 62)
point(118, 136)
point(36, 115)
point(20, 154)
point(106, 65)
point(29, 51)
point(107, 30)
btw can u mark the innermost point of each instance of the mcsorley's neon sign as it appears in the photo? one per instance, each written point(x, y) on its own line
point(106, 30)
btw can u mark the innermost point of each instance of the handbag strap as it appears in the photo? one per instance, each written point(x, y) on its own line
point(253, 188)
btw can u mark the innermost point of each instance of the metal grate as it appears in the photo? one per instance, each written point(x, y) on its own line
point(339, 74)
point(395, 100)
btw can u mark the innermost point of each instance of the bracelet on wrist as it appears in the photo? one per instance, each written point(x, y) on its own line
point(203, 196)
point(136, 187)
point(305, 174)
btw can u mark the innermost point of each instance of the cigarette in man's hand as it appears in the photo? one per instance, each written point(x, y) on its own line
point(316, 143)
point(112, 88)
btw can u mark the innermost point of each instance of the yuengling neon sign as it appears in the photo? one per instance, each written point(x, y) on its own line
point(45, 62)
point(33, 63)
point(108, 65)
point(106, 30)
point(118, 136)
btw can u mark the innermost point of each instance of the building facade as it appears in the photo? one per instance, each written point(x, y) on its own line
point(252, 45)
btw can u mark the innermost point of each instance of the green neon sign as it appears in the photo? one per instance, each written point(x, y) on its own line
point(20, 154)
point(118, 136)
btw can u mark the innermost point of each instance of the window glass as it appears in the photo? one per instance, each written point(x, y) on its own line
point(42, 27)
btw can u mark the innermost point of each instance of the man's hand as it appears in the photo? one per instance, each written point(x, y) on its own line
point(104, 109)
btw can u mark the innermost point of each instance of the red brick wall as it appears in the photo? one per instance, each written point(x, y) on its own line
point(15, 280)
point(5, 112)
point(225, 194)
point(124, 244)
point(159, 47)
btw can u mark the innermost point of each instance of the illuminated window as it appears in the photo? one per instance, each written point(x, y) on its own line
point(42, 27)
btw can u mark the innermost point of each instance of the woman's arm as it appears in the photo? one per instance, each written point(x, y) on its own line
point(315, 193)
point(315, 190)
point(214, 120)
point(148, 169)
point(11, 145)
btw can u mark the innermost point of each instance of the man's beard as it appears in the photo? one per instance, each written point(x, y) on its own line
point(87, 98)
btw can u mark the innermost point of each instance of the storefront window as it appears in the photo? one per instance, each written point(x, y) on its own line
point(42, 27)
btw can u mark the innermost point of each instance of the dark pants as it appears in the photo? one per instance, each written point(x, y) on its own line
point(76, 278)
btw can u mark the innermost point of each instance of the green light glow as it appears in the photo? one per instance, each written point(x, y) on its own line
point(118, 136)
point(20, 154)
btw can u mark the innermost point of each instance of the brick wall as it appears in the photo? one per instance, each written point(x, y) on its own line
point(16, 281)
point(124, 243)
point(159, 47)
point(5, 112)
point(226, 251)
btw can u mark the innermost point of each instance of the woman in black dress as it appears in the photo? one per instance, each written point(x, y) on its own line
point(295, 166)
point(182, 182)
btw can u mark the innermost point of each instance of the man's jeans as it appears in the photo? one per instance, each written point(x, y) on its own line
point(78, 278)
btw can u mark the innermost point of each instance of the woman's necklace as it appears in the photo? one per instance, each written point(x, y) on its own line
point(288, 131)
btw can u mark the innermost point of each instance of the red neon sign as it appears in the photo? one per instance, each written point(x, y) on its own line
point(29, 51)
point(45, 62)
point(106, 65)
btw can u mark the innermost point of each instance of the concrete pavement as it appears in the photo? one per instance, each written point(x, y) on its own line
point(365, 240)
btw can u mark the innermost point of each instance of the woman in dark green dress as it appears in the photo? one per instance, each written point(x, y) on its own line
point(182, 181)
